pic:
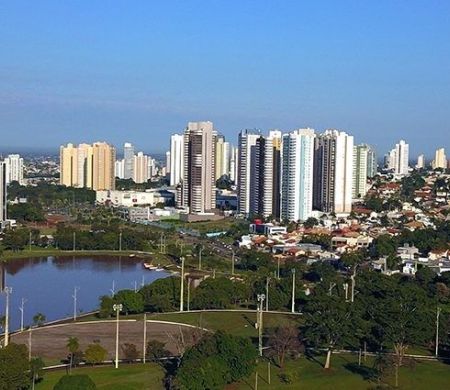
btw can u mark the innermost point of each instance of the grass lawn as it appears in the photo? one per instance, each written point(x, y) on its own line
point(40, 252)
point(346, 374)
point(304, 374)
point(241, 324)
point(126, 377)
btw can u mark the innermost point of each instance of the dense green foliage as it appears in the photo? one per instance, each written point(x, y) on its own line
point(95, 354)
point(162, 295)
point(50, 195)
point(75, 382)
point(104, 238)
point(14, 367)
point(216, 361)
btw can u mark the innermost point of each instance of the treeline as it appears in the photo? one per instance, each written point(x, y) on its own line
point(50, 194)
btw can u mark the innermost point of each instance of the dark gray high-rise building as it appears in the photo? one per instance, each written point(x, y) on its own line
point(199, 179)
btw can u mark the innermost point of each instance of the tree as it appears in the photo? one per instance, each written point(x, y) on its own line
point(214, 294)
point(39, 319)
point(216, 361)
point(106, 306)
point(156, 350)
point(162, 295)
point(95, 354)
point(14, 367)
point(130, 352)
point(284, 341)
point(73, 346)
point(36, 366)
point(405, 318)
point(75, 382)
point(132, 302)
point(311, 222)
point(330, 322)
point(16, 239)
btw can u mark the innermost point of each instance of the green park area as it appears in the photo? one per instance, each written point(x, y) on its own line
point(298, 374)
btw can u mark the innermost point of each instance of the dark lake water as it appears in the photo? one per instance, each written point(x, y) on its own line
point(47, 284)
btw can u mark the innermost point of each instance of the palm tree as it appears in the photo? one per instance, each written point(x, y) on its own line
point(73, 346)
point(39, 319)
point(36, 365)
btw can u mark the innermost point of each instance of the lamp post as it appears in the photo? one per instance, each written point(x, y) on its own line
point(438, 312)
point(117, 308)
point(120, 241)
point(145, 338)
point(261, 298)
point(293, 291)
point(182, 285)
point(21, 308)
point(267, 293)
point(74, 296)
point(8, 291)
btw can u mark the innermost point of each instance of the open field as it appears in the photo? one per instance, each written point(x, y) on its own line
point(126, 377)
point(40, 252)
point(346, 374)
point(237, 323)
point(304, 374)
point(49, 342)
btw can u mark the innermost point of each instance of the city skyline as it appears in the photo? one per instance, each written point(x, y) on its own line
point(369, 70)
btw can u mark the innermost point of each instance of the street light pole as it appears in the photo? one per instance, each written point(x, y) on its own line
point(293, 291)
point(74, 241)
point(117, 308)
point(8, 291)
point(278, 267)
point(267, 293)
point(74, 296)
point(261, 298)
point(145, 338)
point(182, 285)
point(21, 308)
point(438, 312)
point(120, 242)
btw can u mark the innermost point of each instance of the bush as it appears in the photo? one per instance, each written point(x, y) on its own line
point(75, 382)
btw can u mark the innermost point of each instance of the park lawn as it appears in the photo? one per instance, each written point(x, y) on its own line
point(236, 323)
point(126, 377)
point(346, 374)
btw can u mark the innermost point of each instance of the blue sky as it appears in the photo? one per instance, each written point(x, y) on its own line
point(139, 70)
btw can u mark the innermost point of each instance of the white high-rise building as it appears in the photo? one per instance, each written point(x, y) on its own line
point(399, 158)
point(333, 172)
point(247, 148)
point(14, 168)
point(297, 161)
point(128, 156)
point(420, 161)
point(440, 159)
point(3, 191)
point(176, 159)
point(119, 169)
point(360, 170)
point(140, 168)
point(234, 163)
point(152, 168)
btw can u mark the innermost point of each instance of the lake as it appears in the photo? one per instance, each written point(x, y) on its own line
point(47, 284)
